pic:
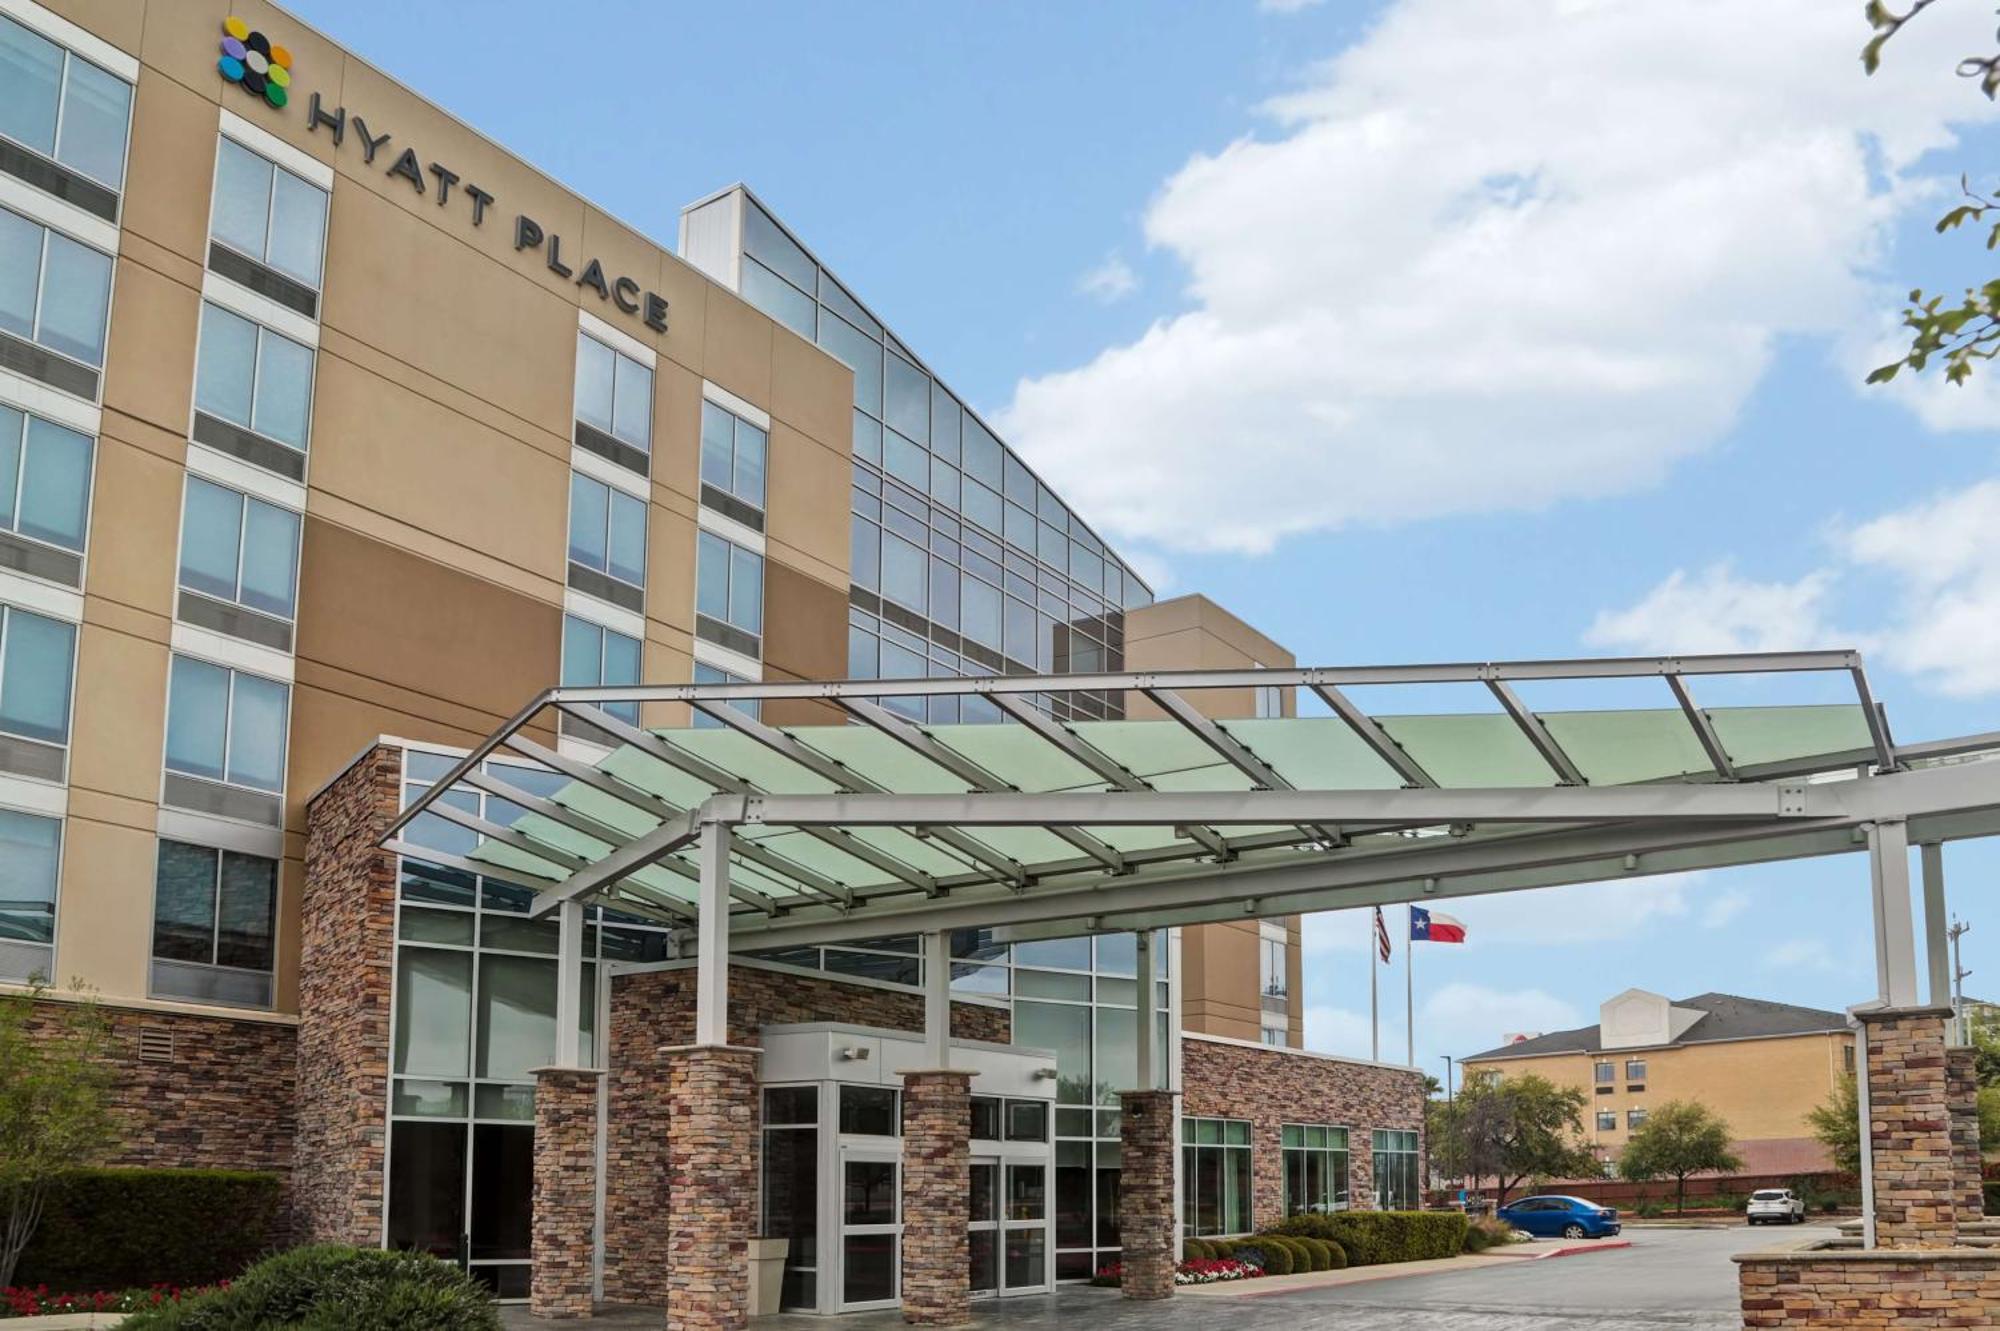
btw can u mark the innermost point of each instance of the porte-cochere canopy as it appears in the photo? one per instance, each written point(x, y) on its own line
point(886, 825)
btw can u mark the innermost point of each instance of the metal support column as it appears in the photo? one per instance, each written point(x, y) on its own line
point(1895, 930)
point(1937, 927)
point(569, 985)
point(937, 1000)
point(1865, 1113)
point(711, 990)
point(1151, 1057)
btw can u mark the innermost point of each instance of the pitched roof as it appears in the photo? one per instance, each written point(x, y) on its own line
point(1724, 1017)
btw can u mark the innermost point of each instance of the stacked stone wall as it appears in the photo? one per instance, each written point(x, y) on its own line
point(1273, 1087)
point(1909, 1121)
point(1962, 1091)
point(937, 1166)
point(710, 1203)
point(1146, 1219)
point(565, 1202)
point(1870, 1291)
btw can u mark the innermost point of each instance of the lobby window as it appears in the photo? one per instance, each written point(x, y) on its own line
point(255, 380)
point(732, 465)
point(226, 725)
point(791, 1186)
point(594, 655)
point(37, 655)
point(729, 595)
point(607, 542)
point(1635, 1118)
point(1395, 1170)
point(1607, 1120)
point(67, 110)
point(705, 673)
point(1315, 1168)
point(1271, 967)
point(30, 850)
point(240, 551)
point(44, 495)
point(268, 227)
point(214, 917)
point(1635, 1069)
point(1215, 1176)
point(55, 293)
point(614, 404)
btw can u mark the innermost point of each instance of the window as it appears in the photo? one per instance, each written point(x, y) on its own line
point(1635, 1069)
point(729, 594)
point(1315, 1168)
point(1605, 1073)
point(869, 1111)
point(30, 847)
point(1273, 1035)
point(213, 917)
point(1395, 1170)
point(595, 655)
point(226, 725)
point(238, 549)
point(791, 1186)
point(65, 108)
point(251, 377)
point(1271, 967)
point(44, 480)
point(1607, 1120)
point(1270, 700)
point(56, 293)
point(708, 674)
point(732, 465)
point(1635, 1118)
point(266, 214)
point(1215, 1176)
point(607, 531)
point(614, 403)
point(36, 655)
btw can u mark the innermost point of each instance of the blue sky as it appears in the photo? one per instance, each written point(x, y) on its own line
point(1534, 330)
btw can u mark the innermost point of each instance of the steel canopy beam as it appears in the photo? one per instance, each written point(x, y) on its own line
point(1537, 734)
point(1370, 732)
point(1704, 729)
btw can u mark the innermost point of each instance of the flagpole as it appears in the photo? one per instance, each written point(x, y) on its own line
point(1374, 1011)
point(1409, 980)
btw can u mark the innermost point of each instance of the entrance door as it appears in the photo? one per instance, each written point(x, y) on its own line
point(1024, 1267)
point(870, 1228)
point(982, 1230)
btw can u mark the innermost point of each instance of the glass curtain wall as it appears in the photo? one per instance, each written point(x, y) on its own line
point(475, 1004)
point(1395, 1155)
point(1215, 1177)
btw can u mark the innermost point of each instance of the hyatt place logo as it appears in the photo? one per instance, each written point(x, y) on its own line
point(253, 63)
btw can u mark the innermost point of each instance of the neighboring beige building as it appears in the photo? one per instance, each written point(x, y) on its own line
point(1762, 1066)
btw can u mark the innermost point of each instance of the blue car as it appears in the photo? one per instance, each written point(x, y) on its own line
point(1560, 1217)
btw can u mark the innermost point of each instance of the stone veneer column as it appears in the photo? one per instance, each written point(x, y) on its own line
point(711, 1185)
point(565, 1206)
point(937, 1179)
point(1910, 1128)
point(346, 953)
point(1962, 1091)
point(1146, 1193)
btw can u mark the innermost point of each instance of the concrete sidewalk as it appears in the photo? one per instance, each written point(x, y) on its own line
point(1268, 1286)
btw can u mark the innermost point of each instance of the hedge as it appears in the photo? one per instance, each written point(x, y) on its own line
point(329, 1287)
point(1373, 1238)
point(134, 1228)
point(1197, 1250)
point(1325, 1256)
point(1302, 1258)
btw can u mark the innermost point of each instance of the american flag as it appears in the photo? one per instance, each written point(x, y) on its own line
point(1381, 935)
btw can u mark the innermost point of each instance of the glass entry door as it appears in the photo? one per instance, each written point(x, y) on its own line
point(1024, 1267)
point(982, 1229)
point(871, 1228)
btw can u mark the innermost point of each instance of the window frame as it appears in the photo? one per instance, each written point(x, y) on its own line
point(70, 55)
point(731, 550)
point(1190, 1145)
point(34, 336)
point(55, 885)
point(610, 429)
point(215, 923)
point(209, 306)
point(1632, 1063)
point(1343, 1197)
point(317, 283)
point(12, 527)
point(738, 424)
point(612, 495)
point(624, 711)
point(242, 529)
point(751, 707)
point(228, 728)
point(7, 612)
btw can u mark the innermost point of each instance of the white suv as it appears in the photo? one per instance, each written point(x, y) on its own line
point(1776, 1206)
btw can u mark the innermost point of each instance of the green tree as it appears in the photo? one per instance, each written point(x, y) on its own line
point(1511, 1129)
point(1957, 332)
point(1836, 1125)
point(1680, 1138)
point(54, 1084)
point(1989, 1115)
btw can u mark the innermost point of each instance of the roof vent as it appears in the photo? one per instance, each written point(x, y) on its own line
point(156, 1044)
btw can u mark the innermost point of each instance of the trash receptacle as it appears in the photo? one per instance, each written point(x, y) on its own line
point(767, 1275)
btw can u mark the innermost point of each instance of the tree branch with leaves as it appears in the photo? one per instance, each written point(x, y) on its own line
point(55, 1079)
point(1678, 1140)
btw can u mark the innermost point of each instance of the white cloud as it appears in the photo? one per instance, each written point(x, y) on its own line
point(1801, 954)
point(1286, 6)
point(1716, 611)
point(1499, 256)
point(1112, 280)
point(1723, 909)
point(1550, 916)
point(1456, 1019)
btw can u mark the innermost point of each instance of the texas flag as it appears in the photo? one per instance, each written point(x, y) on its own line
point(1434, 927)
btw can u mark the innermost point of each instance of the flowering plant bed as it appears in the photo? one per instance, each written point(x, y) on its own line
point(39, 1301)
point(1194, 1271)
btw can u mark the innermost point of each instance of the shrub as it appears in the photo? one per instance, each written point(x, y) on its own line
point(1197, 1250)
point(136, 1228)
point(333, 1288)
point(1319, 1252)
point(1281, 1258)
point(1483, 1232)
point(1275, 1258)
point(1302, 1260)
point(1372, 1238)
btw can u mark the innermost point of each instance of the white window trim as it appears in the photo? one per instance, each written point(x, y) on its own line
point(64, 33)
point(605, 615)
point(270, 146)
point(24, 794)
point(59, 215)
point(728, 401)
point(220, 660)
point(611, 474)
point(237, 474)
point(24, 394)
point(41, 598)
point(731, 530)
point(220, 649)
point(617, 339)
point(260, 310)
point(708, 654)
point(198, 829)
